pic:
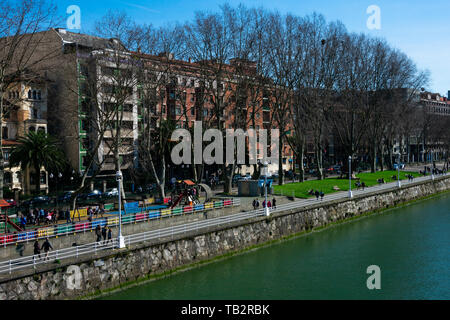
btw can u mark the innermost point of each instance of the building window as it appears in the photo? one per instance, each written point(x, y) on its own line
point(43, 177)
point(29, 94)
point(85, 125)
point(7, 178)
point(34, 95)
point(128, 108)
point(32, 129)
point(5, 132)
point(39, 95)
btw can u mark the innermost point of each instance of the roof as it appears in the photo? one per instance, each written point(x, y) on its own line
point(88, 41)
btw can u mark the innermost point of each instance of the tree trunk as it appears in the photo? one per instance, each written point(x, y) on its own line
point(280, 164)
point(373, 164)
point(302, 166)
point(37, 177)
point(319, 162)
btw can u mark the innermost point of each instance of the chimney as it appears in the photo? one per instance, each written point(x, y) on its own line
point(448, 94)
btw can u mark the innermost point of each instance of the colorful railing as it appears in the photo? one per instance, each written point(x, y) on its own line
point(86, 226)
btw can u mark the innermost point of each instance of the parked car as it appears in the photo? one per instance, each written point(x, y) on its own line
point(11, 202)
point(262, 179)
point(95, 194)
point(66, 196)
point(36, 201)
point(402, 166)
point(337, 169)
point(236, 178)
point(114, 192)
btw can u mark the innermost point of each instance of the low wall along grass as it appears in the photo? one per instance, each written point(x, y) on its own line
point(301, 189)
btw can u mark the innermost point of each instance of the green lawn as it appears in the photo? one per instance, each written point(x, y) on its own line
point(301, 189)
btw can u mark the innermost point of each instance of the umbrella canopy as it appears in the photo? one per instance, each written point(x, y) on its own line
point(4, 203)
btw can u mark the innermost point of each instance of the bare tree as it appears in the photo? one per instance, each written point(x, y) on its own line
point(20, 25)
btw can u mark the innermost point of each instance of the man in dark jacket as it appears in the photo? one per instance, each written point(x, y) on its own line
point(98, 233)
point(109, 234)
point(104, 232)
point(46, 246)
point(37, 249)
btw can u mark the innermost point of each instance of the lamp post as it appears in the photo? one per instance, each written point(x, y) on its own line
point(266, 209)
point(399, 184)
point(350, 193)
point(120, 237)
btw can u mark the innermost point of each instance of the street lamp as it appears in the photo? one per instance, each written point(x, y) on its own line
point(350, 193)
point(266, 208)
point(120, 238)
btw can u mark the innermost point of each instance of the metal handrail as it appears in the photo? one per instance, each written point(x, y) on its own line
point(52, 231)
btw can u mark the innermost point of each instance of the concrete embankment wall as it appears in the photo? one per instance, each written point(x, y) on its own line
point(111, 269)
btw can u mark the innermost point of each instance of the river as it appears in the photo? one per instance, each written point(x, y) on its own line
point(411, 245)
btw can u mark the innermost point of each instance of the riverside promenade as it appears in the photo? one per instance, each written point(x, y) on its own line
point(94, 249)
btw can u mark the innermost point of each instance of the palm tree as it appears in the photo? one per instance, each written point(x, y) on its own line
point(37, 150)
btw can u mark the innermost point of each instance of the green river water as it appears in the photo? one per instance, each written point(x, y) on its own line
point(411, 245)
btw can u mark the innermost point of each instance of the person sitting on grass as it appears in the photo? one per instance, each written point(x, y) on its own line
point(321, 195)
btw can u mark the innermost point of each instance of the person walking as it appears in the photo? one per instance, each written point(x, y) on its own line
point(67, 214)
point(41, 215)
point(109, 234)
point(257, 204)
point(274, 203)
point(102, 209)
point(321, 195)
point(98, 233)
point(317, 194)
point(104, 234)
point(269, 205)
point(254, 204)
point(37, 249)
point(46, 246)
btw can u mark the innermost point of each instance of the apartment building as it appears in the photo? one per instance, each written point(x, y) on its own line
point(83, 85)
point(26, 104)
point(188, 95)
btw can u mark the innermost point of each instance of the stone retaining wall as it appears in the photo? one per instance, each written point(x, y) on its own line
point(74, 279)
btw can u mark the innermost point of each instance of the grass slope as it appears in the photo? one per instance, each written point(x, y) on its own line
point(301, 189)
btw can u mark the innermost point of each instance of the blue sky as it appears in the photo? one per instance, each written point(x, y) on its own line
point(421, 29)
